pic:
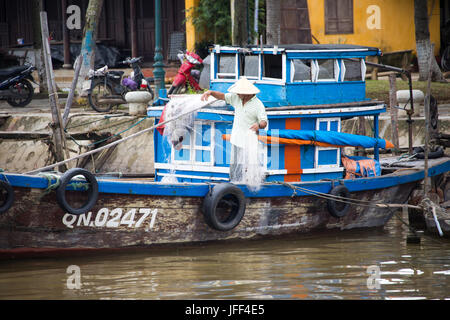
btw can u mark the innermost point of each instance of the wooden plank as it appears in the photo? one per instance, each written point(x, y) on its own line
point(29, 135)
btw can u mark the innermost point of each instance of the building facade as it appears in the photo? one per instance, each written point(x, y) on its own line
point(115, 26)
point(388, 25)
point(385, 24)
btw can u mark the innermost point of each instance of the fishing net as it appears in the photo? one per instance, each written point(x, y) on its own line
point(247, 165)
point(175, 131)
point(170, 178)
point(248, 161)
point(181, 128)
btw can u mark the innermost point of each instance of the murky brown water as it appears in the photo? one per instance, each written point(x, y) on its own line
point(316, 267)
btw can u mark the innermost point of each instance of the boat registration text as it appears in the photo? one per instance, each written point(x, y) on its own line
point(133, 218)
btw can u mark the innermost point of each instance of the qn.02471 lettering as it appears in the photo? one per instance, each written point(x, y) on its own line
point(114, 218)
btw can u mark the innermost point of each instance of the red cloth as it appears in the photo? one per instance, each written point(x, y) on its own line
point(161, 128)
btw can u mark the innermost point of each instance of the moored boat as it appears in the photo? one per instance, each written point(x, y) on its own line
point(309, 183)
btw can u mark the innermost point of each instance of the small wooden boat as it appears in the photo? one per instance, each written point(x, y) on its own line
point(309, 184)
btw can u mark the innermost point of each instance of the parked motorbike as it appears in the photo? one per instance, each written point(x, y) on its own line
point(15, 86)
point(107, 88)
point(187, 75)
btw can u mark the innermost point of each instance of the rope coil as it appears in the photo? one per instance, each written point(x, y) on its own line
point(50, 177)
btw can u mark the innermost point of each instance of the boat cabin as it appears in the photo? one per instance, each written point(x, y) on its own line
point(303, 87)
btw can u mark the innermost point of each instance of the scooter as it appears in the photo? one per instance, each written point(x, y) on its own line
point(187, 75)
point(107, 88)
point(15, 86)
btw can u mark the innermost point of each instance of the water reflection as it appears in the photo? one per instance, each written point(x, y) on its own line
point(316, 267)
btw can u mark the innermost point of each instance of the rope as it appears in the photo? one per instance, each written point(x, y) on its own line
point(438, 226)
point(332, 197)
point(107, 117)
point(118, 134)
point(113, 136)
point(51, 186)
point(79, 185)
point(362, 203)
point(119, 141)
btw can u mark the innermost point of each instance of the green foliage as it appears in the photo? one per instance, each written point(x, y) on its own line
point(213, 18)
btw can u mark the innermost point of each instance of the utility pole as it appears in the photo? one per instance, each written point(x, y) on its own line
point(158, 66)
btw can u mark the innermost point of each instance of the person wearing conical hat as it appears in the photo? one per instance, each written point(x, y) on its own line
point(249, 114)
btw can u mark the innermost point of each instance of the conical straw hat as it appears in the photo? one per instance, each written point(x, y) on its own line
point(243, 86)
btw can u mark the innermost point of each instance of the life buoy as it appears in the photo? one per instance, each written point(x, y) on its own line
point(6, 196)
point(419, 153)
point(338, 209)
point(61, 191)
point(224, 207)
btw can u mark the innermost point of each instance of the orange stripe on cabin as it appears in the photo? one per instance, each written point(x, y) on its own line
point(292, 159)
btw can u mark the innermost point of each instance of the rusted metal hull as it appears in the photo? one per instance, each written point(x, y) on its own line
point(127, 220)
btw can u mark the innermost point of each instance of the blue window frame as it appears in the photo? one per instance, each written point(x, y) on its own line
point(327, 157)
point(197, 147)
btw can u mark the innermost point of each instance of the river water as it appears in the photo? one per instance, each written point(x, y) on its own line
point(374, 264)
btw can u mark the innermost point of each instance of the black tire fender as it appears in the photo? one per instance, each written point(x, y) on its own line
point(6, 188)
point(419, 153)
point(224, 195)
point(338, 209)
point(61, 191)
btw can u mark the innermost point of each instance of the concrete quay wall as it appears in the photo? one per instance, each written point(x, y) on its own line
point(132, 156)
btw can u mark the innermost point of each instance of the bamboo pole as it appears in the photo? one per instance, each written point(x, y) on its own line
point(78, 64)
point(360, 151)
point(426, 185)
point(394, 112)
point(58, 133)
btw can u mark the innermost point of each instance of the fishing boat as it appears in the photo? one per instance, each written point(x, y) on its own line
point(309, 184)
